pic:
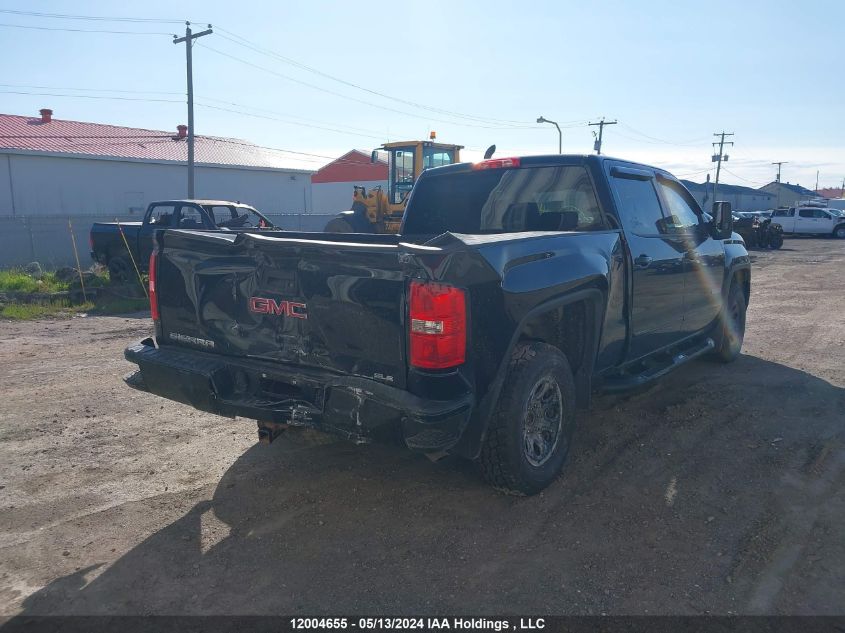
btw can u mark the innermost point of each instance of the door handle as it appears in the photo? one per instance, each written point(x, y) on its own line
point(643, 261)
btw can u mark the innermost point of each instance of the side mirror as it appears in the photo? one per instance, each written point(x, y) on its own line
point(722, 218)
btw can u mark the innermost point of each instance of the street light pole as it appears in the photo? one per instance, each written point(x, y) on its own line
point(189, 42)
point(559, 133)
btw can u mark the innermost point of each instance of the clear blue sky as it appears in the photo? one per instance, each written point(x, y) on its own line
point(672, 73)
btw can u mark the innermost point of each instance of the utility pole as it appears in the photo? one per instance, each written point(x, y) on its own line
point(817, 182)
point(783, 162)
point(601, 124)
point(189, 43)
point(777, 180)
point(718, 158)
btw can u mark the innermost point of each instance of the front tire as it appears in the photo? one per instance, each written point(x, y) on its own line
point(839, 232)
point(530, 433)
point(731, 325)
point(775, 241)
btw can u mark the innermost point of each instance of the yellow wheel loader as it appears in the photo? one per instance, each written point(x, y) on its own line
point(380, 211)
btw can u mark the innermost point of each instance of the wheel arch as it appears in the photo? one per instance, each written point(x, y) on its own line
point(577, 312)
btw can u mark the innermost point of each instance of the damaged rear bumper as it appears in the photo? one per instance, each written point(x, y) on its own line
point(356, 408)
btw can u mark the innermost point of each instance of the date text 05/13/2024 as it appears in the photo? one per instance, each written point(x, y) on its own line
point(412, 623)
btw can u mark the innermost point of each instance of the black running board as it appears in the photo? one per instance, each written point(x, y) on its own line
point(631, 381)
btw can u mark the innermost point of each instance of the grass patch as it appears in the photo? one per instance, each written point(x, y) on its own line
point(18, 281)
point(26, 311)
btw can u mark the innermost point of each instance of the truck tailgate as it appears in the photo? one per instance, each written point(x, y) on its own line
point(306, 301)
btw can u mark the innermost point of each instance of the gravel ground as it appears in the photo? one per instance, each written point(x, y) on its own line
point(718, 490)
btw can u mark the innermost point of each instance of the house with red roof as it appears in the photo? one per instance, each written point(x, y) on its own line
point(331, 188)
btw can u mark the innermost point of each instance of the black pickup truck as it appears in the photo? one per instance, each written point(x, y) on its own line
point(108, 247)
point(516, 288)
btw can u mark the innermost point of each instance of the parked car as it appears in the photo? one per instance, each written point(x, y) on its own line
point(516, 288)
point(757, 230)
point(810, 221)
point(109, 247)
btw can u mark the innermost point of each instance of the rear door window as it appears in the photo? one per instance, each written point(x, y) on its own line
point(163, 216)
point(190, 218)
point(558, 198)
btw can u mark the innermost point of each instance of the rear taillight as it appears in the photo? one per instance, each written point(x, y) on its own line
point(497, 163)
point(438, 328)
point(153, 296)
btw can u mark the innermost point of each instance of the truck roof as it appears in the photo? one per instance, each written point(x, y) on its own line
point(547, 159)
point(202, 202)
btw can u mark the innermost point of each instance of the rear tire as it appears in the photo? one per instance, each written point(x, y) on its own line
point(119, 269)
point(731, 326)
point(530, 433)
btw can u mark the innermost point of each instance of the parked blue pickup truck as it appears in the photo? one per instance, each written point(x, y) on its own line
point(109, 248)
point(516, 288)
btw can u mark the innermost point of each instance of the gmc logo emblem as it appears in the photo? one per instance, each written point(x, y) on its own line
point(262, 305)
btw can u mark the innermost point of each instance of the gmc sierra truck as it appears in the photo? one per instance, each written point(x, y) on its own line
point(516, 288)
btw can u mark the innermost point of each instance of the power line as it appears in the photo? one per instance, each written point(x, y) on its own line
point(350, 131)
point(242, 41)
point(57, 94)
point(367, 132)
point(695, 173)
point(146, 92)
point(355, 99)
point(69, 30)
point(753, 182)
point(690, 143)
point(65, 16)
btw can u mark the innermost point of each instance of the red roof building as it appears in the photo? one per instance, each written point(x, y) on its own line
point(331, 189)
point(354, 166)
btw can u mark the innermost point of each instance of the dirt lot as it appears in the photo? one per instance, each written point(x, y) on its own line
point(718, 490)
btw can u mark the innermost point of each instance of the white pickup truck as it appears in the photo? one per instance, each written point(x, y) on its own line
point(811, 221)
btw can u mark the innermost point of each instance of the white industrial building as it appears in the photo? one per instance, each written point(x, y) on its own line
point(741, 198)
point(57, 170)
